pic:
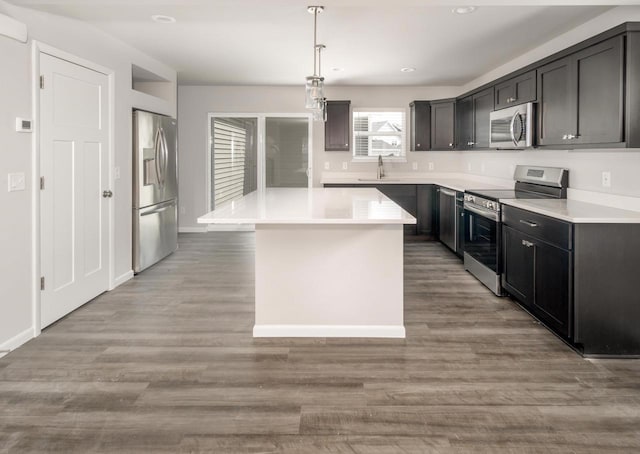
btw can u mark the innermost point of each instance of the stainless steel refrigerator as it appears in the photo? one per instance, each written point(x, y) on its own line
point(155, 188)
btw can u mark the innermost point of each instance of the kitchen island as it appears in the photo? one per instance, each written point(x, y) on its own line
point(328, 261)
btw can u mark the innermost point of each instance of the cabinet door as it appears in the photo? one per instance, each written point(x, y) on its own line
point(514, 91)
point(426, 209)
point(443, 115)
point(482, 107)
point(551, 302)
point(518, 266)
point(600, 93)
point(338, 126)
point(464, 123)
point(420, 125)
point(556, 102)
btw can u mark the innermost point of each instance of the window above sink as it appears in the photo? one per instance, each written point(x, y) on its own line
point(379, 132)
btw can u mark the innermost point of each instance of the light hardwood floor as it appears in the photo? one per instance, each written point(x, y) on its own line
point(166, 363)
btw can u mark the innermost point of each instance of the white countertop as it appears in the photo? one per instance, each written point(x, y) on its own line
point(575, 211)
point(310, 206)
point(457, 184)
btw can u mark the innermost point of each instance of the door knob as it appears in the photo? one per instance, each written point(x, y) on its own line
point(107, 194)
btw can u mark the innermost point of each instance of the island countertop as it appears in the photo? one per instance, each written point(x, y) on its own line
point(310, 206)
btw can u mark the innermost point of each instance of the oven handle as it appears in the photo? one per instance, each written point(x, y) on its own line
point(484, 213)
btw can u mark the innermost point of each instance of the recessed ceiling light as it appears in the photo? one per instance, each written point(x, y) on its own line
point(162, 19)
point(337, 69)
point(407, 70)
point(463, 9)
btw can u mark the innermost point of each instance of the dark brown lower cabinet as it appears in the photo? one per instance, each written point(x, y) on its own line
point(538, 275)
point(580, 280)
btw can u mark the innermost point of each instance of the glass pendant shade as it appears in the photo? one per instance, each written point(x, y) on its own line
point(314, 89)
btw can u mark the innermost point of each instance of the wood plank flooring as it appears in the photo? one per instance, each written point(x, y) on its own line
point(166, 363)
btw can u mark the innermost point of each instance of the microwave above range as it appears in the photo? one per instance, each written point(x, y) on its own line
point(512, 128)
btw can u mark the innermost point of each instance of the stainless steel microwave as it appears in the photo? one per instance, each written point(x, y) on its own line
point(512, 128)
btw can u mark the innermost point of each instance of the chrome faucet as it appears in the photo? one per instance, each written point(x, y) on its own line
point(380, 172)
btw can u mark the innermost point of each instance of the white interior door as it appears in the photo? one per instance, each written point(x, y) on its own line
point(74, 157)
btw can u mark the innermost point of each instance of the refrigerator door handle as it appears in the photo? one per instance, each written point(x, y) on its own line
point(159, 208)
point(165, 156)
point(157, 145)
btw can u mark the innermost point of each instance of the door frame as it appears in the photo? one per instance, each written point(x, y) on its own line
point(37, 49)
point(261, 146)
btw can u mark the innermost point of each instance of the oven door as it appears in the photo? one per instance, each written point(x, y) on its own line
point(482, 236)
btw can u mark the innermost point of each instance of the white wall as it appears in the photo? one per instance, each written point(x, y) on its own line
point(195, 102)
point(16, 80)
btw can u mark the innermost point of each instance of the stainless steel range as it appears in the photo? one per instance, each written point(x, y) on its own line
point(482, 214)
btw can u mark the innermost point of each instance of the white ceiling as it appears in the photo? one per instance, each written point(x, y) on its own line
point(270, 42)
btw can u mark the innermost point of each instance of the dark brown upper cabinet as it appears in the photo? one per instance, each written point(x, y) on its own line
point(443, 120)
point(420, 125)
point(472, 118)
point(581, 97)
point(514, 91)
point(337, 127)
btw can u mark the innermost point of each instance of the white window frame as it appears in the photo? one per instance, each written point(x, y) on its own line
point(405, 148)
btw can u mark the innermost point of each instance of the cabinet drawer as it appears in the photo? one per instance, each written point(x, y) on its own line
point(550, 230)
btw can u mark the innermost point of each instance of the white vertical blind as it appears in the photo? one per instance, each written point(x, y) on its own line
point(229, 160)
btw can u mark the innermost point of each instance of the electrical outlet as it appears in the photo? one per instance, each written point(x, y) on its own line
point(414, 165)
point(345, 165)
point(116, 173)
point(606, 179)
point(327, 165)
point(183, 210)
point(431, 166)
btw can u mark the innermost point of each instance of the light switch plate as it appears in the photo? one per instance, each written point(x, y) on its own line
point(327, 165)
point(414, 165)
point(16, 182)
point(431, 166)
point(116, 173)
point(606, 179)
point(345, 165)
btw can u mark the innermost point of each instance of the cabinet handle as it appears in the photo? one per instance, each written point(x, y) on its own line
point(571, 136)
point(527, 243)
point(417, 144)
point(450, 145)
point(471, 144)
point(529, 223)
point(346, 144)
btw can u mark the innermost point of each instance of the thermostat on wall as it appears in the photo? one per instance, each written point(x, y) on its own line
point(23, 125)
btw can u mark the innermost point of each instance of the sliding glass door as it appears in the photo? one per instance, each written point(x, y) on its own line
point(251, 152)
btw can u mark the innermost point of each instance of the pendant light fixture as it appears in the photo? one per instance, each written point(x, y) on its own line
point(314, 88)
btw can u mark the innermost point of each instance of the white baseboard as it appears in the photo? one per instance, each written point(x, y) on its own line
point(390, 331)
point(192, 229)
point(16, 341)
point(122, 279)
